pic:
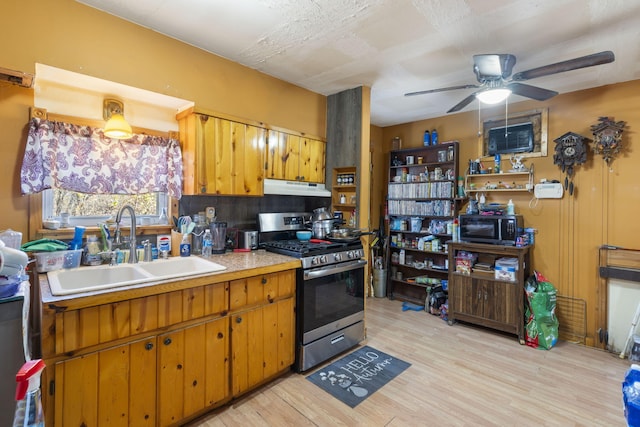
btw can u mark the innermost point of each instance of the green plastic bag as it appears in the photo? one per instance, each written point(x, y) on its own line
point(541, 327)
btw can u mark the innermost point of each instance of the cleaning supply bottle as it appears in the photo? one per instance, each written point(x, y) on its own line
point(207, 243)
point(510, 208)
point(427, 138)
point(29, 407)
point(185, 245)
point(434, 137)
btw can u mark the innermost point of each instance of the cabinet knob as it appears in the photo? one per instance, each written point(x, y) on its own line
point(238, 319)
point(148, 346)
point(167, 341)
point(264, 280)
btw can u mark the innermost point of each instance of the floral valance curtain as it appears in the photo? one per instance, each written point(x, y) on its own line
point(80, 158)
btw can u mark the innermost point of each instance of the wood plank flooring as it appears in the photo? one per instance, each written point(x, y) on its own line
point(461, 375)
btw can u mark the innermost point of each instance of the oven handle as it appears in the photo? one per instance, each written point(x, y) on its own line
point(333, 269)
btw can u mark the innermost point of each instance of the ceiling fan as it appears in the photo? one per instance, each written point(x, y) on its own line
point(493, 71)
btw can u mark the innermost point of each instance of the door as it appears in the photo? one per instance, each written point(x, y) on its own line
point(114, 387)
point(229, 156)
point(499, 305)
point(262, 343)
point(312, 160)
point(467, 296)
point(193, 370)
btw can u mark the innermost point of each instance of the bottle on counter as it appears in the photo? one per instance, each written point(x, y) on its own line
point(198, 231)
point(207, 243)
point(185, 246)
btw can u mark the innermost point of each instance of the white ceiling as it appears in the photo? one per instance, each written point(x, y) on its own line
point(400, 46)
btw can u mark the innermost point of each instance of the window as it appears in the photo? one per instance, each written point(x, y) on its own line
point(91, 209)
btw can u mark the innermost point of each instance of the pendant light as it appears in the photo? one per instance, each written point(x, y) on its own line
point(116, 126)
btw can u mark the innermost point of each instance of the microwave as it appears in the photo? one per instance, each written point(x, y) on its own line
point(493, 229)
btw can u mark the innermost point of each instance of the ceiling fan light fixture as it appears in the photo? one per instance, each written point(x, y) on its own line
point(493, 96)
point(116, 126)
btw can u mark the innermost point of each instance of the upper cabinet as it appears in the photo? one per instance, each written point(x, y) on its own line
point(294, 157)
point(221, 156)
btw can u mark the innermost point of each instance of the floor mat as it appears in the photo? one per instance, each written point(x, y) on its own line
point(358, 375)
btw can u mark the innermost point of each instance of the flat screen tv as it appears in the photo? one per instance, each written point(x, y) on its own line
point(517, 139)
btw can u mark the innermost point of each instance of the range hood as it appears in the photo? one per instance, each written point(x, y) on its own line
point(295, 188)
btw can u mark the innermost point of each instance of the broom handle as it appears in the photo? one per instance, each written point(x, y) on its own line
point(631, 331)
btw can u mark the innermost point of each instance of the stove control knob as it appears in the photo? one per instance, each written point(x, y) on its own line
point(315, 260)
point(337, 257)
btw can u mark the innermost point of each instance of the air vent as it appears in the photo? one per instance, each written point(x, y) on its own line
point(16, 77)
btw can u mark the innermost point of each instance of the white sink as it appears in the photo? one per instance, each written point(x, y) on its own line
point(86, 279)
point(179, 266)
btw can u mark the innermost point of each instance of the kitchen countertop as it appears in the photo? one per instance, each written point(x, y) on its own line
point(239, 265)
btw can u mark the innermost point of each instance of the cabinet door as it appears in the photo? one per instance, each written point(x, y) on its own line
point(262, 344)
point(114, 387)
point(312, 160)
point(500, 304)
point(193, 370)
point(229, 157)
point(466, 296)
point(276, 154)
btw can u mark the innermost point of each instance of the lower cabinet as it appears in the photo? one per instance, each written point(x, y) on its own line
point(184, 371)
point(480, 298)
point(262, 340)
point(163, 359)
point(193, 370)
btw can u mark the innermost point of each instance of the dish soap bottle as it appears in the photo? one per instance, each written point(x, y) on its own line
point(510, 208)
point(185, 246)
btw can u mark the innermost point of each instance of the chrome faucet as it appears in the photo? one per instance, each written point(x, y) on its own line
point(133, 253)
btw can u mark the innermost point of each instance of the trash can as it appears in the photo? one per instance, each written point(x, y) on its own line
point(380, 283)
point(631, 396)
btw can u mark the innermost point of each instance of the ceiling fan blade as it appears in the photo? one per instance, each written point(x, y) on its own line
point(533, 92)
point(460, 105)
point(423, 92)
point(560, 67)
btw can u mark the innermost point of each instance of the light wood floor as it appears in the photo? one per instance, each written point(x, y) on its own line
point(461, 375)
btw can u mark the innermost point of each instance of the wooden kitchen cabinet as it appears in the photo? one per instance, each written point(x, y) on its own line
point(193, 370)
point(221, 155)
point(262, 328)
point(114, 387)
point(294, 157)
point(165, 358)
point(482, 299)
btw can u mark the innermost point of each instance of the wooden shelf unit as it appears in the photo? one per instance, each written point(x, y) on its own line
point(422, 188)
point(349, 191)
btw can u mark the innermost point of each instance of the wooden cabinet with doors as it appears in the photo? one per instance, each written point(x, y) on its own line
point(262, 328)
point(221, 156)
point(295, 157)
point(166, 357)
point(477, 296)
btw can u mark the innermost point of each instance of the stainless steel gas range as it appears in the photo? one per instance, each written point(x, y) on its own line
point(330, 288)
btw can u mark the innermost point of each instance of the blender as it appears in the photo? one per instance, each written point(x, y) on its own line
point(219, 237)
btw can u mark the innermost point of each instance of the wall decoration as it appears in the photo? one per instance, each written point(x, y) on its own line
point(607, 138)
point(570, 151)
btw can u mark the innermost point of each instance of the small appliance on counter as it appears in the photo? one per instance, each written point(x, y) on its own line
point(246, 240)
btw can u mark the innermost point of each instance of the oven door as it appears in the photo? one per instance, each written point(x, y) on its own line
point(330, 298)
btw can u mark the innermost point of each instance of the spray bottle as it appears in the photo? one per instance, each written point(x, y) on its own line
point(29, 408)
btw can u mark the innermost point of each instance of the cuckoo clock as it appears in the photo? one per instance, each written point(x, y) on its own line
point(607, 138)
point(570, 151)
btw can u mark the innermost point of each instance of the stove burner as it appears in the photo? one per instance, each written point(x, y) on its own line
point(302, 248)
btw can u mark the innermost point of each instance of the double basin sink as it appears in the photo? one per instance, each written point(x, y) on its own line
point(86, 279)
